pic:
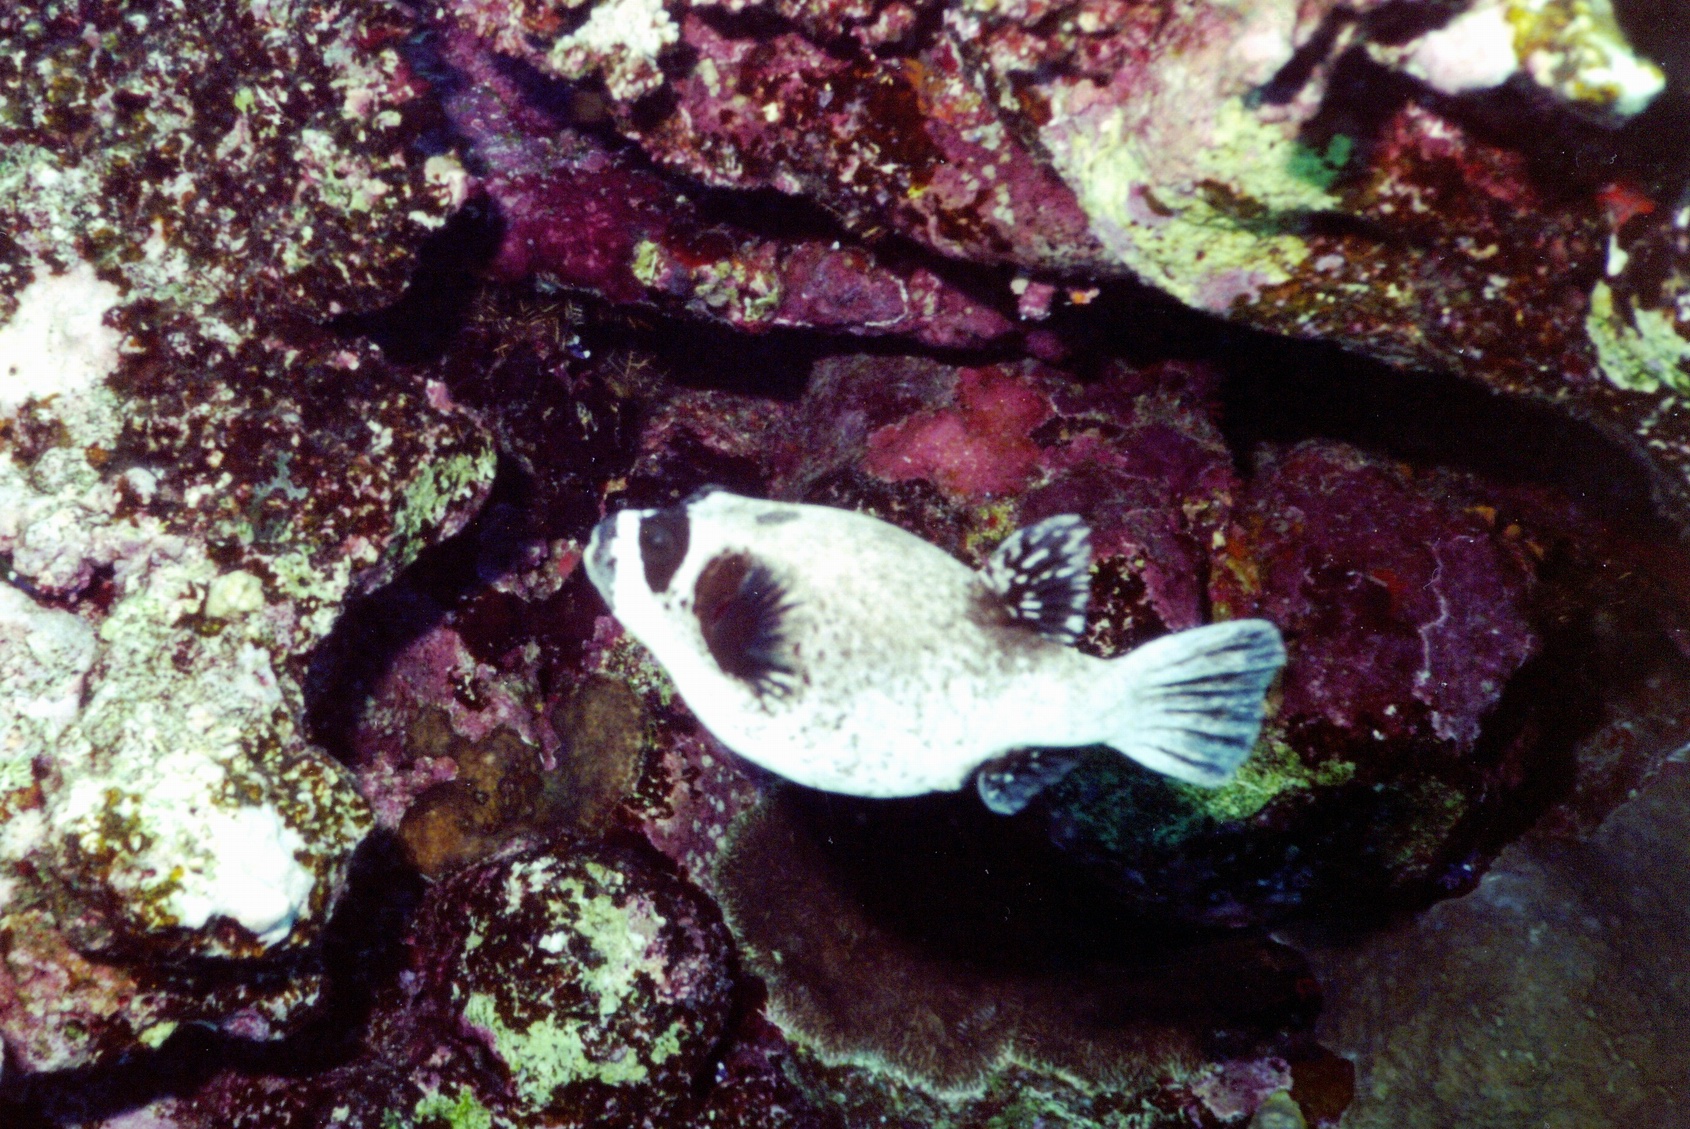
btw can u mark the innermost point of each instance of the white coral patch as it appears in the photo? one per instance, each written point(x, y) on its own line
point(1575, 49)
point(637, 27)
point(210, 855)
point(621, 40)
point(248, 871)
point(57, 342)
point(1474, 51)
point(45, 655)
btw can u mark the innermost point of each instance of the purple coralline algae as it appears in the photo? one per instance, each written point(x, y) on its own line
point(1414, 604)
point(584, 215)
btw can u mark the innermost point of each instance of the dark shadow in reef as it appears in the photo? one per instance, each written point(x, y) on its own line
point(934, 935)
point(349, 663)
point(1284, 392)
point(1660, 30)
point(361, 949)
point(421, 324)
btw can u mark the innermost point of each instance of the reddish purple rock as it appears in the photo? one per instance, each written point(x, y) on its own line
point(580, 214)
point(1404, 607)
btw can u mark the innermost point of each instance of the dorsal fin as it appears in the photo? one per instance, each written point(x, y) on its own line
point(1041, 577)
point(741, 610)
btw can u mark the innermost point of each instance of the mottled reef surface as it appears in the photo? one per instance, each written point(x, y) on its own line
point(331, 795)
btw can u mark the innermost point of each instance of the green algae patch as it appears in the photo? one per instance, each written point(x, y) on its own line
point(462, 1111)
point(1272, 769)
point(650, 263)
point(1226, 225)
point(440, 488)
point(1322, 167)
point(593, 978)
point(751, 292)
point(549, 1054)
point(1639, 353)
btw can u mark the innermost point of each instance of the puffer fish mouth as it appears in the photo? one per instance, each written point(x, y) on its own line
point(601, 560)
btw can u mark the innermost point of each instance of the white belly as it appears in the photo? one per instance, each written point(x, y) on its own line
point(905, 736)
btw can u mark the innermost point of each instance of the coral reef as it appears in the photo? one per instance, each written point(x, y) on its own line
point(193, 478)
point(1524, 950)
point(556, 182)
point(330, 794)
point(1366, 174)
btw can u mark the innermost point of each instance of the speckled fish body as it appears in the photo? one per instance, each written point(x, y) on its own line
point(849, 655)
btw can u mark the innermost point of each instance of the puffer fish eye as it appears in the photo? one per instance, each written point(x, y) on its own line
point(664, 535)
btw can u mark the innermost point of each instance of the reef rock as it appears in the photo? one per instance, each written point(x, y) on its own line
point(1552, 993)
point(1438, 185)
point(597, 983)
point(579, 213)
point(194, 474)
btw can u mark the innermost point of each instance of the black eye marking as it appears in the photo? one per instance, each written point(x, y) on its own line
point(663, 545)
point(742, 611)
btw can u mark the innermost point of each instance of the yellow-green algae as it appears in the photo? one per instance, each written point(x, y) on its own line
point(437, 489)
point(735, 282)
point(1020, 1097)
point(462, 1110)
point(1227, 224)
point(1640, 352)
point(1272, 769)
point(551, 1052)
point(650, 262)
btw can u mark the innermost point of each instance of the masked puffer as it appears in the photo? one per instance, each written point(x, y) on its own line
point(846, 654)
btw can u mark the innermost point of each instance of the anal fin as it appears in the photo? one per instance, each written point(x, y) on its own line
point(1010, 782)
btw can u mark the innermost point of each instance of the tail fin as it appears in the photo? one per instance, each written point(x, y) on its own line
point(1194, 699)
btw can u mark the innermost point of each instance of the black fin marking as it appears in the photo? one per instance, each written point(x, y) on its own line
point(1008, 783)
point(664, 535)
point(742, 610)
point(1041, 577)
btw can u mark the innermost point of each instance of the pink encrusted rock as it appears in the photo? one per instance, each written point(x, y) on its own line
point(706, 788)
point(1233, 1090)
point(581, 214)
point(435, 692)
point(1406, 609)
point(978, 448)
point(1137, 453)
point(915, 143)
